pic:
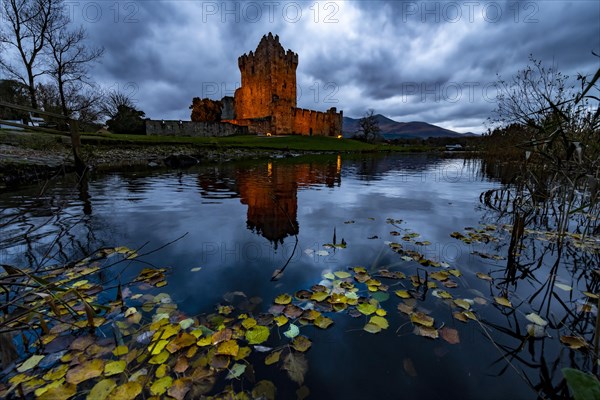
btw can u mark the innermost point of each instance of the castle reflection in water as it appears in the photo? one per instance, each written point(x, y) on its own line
point(270, 190)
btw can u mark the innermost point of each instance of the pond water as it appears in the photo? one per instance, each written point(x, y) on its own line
point(240, 222)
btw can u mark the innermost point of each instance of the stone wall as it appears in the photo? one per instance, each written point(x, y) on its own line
point(196, 129)
point(310, 122)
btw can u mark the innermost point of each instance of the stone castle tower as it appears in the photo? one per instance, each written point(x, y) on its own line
point(266, 100)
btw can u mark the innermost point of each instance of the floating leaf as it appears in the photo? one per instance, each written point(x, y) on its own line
point(249, 323)
point(319, 296)
point(367, 308)
point(403, 294)
point(342, 274)
point(450, 335)
point(564, 287)
point(455, 272)
point(574, 342)
point(372, 328)
point(421, 319)
point(60, 392)
point(102, 389)
point(236, 371)
point(426, 331)
point(257, 334)
point(301, 343)
point(281, 320)
point(180, 388)
point(439, 275)
point(323, 322)
point(83, 372)
point(483, 276)
point(120, 351)
point(536, 319)
point(292, 331)
point(229, 348)
point(462, 303)
point(161, 385)
point(329, 275)
point(442, 294)
point(584, 386)
point(114, 367)
point(379, 321)
point(186, 323)
point(126, 391)
point(195, 269)
point(273, 357)
point(503, 301)
point(30, 363)
point(536, 331)
point(283, 299)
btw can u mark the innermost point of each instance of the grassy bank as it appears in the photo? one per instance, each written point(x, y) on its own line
point(293, 142)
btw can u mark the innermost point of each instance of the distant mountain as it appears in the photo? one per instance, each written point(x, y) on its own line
point(391, 129)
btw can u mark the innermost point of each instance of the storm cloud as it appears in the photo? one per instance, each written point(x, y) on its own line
point(410, 61)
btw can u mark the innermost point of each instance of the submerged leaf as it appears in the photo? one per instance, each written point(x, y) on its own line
point(296, 366)
point(450, 335)
point(236, 371)
point(536, 319)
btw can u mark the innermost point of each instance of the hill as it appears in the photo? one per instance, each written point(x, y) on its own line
point(391, 129)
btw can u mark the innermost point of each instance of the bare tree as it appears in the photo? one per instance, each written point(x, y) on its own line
point(69, 61)
point(369, 127)
point(112, 101)
point(26, 31)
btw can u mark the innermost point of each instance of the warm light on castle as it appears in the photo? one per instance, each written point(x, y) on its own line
point(266, 100)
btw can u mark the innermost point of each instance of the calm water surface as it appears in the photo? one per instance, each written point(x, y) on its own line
point(240, 222)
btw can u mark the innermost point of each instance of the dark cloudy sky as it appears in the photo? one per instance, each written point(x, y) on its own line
point(428, 61)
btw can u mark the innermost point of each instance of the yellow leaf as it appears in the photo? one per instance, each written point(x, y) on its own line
point(30, 363)
point(301, 343)
point(159, 358)
point(229, 348)
point(56, 373)
point(403, 294)
point(367, 308)
point(157, 347)
point(503, 301)
point(439, 275)
point(249, 323)
point(421, 319)
point(102, 389)
point(114, 367)
point(60, 392)
point(120, 351)
point(462, 304)
point(372, 328)
point(483, 276)
point(273, 357)
point(342, 274)
point(283, 299)
point(126, 391)
point(379, 321)
point(281, 320)
point(83, 372)
point(257, 334)
point(161, 371)
point(204, 341)
point(160, 386)
point(455, 272)
point(323, 322)
point(319, 296)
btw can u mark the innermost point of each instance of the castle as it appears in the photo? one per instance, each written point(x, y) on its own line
point(266, 100)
